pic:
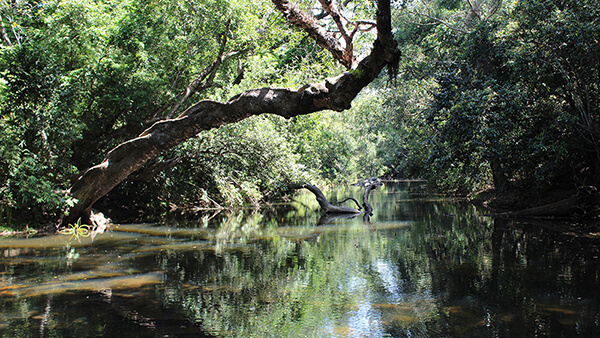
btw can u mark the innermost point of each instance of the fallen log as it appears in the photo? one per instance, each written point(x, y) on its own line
point(325, 205)
point(369, 185)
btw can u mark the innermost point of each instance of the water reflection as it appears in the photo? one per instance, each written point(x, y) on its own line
point(420, 267)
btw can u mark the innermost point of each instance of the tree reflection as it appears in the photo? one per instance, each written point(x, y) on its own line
point(424, 268)
point(351, 280)
point(453, 272)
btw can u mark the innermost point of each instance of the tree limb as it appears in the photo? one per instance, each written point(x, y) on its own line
point(207, 73)
point(475, 9)
point(369, 184)
point(495, 7)
point(348, 54)
point(357, 26)
point(348, 199)
point(309, 24)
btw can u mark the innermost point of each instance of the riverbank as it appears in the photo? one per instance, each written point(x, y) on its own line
point(583, 202)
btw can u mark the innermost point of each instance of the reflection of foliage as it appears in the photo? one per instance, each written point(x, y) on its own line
point(513, 93)
point(303, 285)
point(420, 268)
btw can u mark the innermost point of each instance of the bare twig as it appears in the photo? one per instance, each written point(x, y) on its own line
point(475, 8)
point(440, 21)
point(4, 34)
point(494, 9)
point(350, 198)
point(206, 77)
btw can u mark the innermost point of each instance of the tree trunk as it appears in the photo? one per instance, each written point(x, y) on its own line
point(333, 93)
point(499, 178)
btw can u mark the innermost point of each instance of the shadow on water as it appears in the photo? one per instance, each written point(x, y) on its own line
point(420, 267)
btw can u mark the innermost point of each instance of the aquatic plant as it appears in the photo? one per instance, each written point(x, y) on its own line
point(76, 230)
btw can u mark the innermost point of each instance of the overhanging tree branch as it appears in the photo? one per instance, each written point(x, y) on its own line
point(204, 80)
point(333, 93)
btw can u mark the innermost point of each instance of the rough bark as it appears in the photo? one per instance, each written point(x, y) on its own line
point(307, 22)
point(333, 93)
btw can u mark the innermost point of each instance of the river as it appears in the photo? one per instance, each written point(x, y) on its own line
point(421, 266)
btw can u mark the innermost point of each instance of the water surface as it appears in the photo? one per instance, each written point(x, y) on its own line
point(421, 266)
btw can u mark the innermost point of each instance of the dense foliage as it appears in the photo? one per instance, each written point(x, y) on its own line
point(488, 93)
point(515, 101)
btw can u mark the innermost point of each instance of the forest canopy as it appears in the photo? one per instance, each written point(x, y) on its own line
point(486, 94)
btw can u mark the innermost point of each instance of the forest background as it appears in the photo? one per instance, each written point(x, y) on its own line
point(489, 94)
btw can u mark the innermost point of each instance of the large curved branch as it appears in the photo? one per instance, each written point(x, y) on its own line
point(332, 93)
point(350, 199)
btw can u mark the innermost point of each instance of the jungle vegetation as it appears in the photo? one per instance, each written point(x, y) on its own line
point(487, 94)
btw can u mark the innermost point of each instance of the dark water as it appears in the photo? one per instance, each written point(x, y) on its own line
point(421, 267)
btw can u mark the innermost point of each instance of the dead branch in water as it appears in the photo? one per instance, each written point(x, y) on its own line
point(325, 205)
